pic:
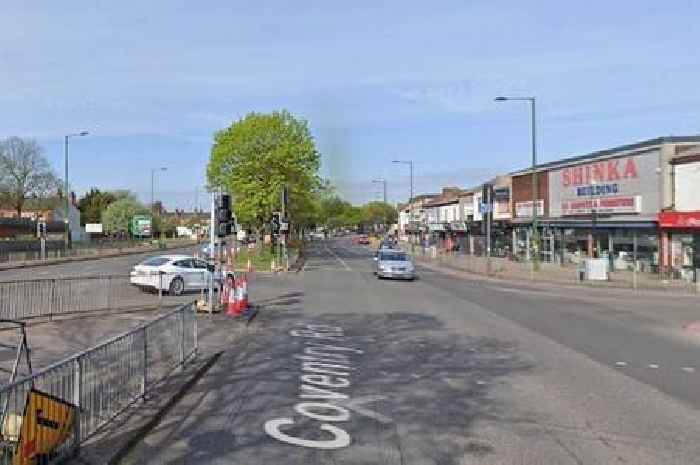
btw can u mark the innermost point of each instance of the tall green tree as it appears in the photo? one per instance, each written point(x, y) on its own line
point(118, 214)
point(256, 156)
point(93, 203)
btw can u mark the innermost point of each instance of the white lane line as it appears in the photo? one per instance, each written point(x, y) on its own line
point(342, 262)
point(653, 366)
point(688, 369)
point(620, 364)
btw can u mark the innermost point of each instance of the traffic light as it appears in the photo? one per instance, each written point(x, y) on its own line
point(276, 220)
point(41, 229)
point(223, 216)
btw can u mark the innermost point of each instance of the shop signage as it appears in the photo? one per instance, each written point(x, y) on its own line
point(630, 204)
point(524, 209)
point(623, 185)
point(679, 220)
point(436, 227)
point(501, 193)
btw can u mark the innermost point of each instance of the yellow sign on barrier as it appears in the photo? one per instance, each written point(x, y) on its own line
point(47, 423)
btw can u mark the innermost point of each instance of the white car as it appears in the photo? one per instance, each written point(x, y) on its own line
point(172, 273)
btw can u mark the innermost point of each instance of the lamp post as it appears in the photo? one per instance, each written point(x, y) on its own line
point(383, 183)
point(410, 199)
point(153, 173)
point(535, 231)
point(65, 193)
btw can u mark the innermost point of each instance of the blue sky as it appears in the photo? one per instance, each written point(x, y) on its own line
point(152, 80)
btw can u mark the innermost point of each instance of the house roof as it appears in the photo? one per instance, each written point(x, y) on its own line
point(646, 144)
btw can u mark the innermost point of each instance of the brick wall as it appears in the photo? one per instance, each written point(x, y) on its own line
point(522, 190)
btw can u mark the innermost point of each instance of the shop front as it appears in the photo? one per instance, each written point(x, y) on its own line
point(606, 207)
point(681, 230)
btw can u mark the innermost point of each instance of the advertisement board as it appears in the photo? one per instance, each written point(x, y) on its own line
point(524, 209)
point(93, 228)
point(616, 186)
point(141, 226)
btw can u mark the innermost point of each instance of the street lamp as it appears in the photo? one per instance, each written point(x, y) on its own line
point(535, 232)
point(66, 208)
point(410, 164)
point(153, 173)
point(383, 183)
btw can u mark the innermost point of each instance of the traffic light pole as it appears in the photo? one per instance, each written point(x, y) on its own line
point(212, 227)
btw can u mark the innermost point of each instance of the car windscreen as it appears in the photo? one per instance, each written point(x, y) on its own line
point(393, 257)
point(156, 261)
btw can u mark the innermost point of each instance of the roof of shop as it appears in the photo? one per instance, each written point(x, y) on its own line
point(601, 153)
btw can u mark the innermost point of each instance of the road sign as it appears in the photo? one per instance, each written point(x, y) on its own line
point(485, 208)
point(284, 226)
point(47, 423)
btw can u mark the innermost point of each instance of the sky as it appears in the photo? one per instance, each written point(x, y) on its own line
point(377, 81)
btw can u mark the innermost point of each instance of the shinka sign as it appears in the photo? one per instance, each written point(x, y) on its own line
point(607, 186)
point(326, 365)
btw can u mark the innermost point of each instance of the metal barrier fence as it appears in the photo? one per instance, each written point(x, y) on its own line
point(23, 299)
point(46, 417)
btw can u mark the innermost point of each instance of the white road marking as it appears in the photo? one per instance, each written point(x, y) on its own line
point(338, 258)
point(688, 369)
point(355, 406)
point(653, 365)
point(620, 364)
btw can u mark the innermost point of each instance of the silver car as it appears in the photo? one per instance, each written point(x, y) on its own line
point(392, 263)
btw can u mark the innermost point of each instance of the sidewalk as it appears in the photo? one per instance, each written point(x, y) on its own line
point(503, 268)
point(96, 254)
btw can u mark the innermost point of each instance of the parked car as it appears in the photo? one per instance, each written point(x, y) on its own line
point(363, 239)
point(390, 263)
point(174, 274)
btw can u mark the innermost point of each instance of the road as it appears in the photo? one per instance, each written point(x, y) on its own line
point(102, 266)
point(342, 368)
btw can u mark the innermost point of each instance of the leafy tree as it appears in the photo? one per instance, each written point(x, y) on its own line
point(379, 213)
point(24, 172)
point(117, 216)
point(256, 156)
point(93, 203)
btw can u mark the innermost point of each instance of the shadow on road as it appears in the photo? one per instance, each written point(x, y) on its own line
point(431, 383)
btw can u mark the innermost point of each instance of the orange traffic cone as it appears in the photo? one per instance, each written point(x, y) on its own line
point(232, 304)
point(244, 293)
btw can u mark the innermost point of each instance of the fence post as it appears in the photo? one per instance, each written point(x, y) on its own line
point(52, 299)
point(109, 292)
point(182, 336)
point(160, 288)
point(194, 316)
point(144, 381)
point(77, 392)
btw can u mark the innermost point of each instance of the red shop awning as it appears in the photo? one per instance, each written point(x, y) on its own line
point(682, 220)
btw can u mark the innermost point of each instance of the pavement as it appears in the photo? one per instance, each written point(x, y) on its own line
point(342, 368)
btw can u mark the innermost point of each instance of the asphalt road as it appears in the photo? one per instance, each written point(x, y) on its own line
point(103, 266)
point(342, 368)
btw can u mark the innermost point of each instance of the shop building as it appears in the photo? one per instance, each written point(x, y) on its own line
point(609, 204)
point(679, 223)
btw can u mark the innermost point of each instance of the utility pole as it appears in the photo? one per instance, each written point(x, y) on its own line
point(535, 237)
point(66, 194)
point(212, 222)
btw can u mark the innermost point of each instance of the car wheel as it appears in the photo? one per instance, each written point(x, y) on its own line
point(177, 286)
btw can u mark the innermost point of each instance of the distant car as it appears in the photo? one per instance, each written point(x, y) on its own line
point(390, 263)
point(174, 274)
point(363, 239)
point(317, 236)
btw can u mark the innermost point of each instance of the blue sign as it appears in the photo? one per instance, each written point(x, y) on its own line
point(597, 189)
point(485, 208)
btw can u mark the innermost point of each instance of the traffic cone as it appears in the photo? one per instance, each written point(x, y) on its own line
point(232, 305)
point(244, 293)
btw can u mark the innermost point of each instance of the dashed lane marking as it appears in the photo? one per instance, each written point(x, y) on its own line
point(345, 265)
point(688, 369)
point(620, 364)
point(653, 366)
